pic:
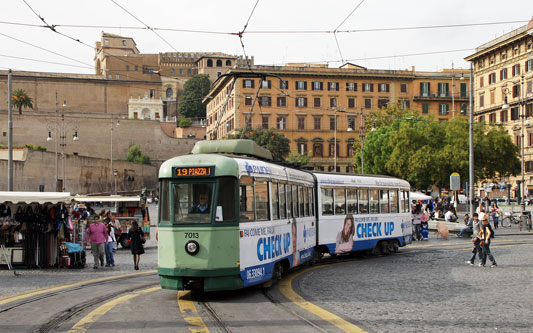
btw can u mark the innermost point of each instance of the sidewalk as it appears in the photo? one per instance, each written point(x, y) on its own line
point(455, 227)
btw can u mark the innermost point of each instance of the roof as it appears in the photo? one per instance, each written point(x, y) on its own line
point(107, 198)
point(238, 147)
point(35, 197)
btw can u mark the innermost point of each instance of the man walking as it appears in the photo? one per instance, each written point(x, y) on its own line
point(97, 237)
point(476, 240)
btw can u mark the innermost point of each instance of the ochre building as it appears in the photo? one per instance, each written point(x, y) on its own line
point(503, 93)
point(301, 101)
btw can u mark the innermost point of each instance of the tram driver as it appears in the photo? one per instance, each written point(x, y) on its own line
point(203, 206)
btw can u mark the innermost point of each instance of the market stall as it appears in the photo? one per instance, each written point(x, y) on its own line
point(33, 228)
point(126, 209)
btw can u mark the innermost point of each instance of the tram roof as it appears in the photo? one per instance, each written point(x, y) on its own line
point(360, 180)
point(237, 147)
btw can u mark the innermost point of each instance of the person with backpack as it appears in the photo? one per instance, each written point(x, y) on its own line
point(486, 234)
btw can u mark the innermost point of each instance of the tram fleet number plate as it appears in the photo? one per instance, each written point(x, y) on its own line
point(194, 171)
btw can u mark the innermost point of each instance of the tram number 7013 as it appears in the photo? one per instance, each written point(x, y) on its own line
point(192, 235)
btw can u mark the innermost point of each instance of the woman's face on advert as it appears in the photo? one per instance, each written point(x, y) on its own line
point(348, 226)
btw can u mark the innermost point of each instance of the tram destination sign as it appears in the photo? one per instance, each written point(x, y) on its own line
point(200, 171)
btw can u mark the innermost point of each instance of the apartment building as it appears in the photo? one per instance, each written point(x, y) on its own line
point(503, 92)
point(322, 110)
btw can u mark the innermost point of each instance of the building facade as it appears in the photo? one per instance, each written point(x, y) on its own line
point(503, 93)
point(322, 110)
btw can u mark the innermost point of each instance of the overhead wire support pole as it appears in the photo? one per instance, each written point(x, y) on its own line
point(522, 144)
point(10, 131)
point(471, 141)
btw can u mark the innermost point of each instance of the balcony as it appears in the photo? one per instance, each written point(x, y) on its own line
point(440, 97)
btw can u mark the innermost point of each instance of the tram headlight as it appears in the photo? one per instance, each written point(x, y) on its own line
point(192, 247)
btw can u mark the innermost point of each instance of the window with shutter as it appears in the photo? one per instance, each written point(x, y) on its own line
point(316, 102)
point(351, 102)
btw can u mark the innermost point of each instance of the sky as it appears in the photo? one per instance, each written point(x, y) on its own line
point(31, 48)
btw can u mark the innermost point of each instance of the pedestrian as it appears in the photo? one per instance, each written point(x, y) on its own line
point(136, 237)
point(486, 235)
point(476, 240)
point(111, 240)
point(97, 237)
point(495, 212)
point(467, 226)
point(417, 221)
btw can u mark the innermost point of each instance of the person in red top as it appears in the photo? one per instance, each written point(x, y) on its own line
point(97, 237)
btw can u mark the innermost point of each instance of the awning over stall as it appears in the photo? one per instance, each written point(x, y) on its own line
point(112, 198)
point(35, 197)
point(418, 196)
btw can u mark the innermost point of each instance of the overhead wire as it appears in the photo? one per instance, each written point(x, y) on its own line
point(146, 25)
point(337, 28)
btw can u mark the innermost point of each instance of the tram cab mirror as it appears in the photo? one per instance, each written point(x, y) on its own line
point(219, 217)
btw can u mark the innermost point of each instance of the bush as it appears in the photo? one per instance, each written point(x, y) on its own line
point(35, 147)
point(136, 155)
point(186, 122)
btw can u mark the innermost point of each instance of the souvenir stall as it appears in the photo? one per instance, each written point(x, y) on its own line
point(33, 228)
point(125, 210)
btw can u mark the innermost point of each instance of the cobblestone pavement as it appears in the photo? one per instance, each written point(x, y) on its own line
point(429, 287)
point(38, 278)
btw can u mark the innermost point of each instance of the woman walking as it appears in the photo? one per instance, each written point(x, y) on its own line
point(495, 212)
point(136, 237)
point(111, 240)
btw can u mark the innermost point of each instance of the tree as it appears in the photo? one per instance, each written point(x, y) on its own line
point(194, 91)
point(301, 159)
point(277, 143)
point(425, 152)
point(136, 155)
point(22, 100)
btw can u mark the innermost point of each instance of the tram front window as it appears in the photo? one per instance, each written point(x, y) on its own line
point(192, 202)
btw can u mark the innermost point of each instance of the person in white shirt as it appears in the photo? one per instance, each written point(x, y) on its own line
point(450, 216)
point(111, 240)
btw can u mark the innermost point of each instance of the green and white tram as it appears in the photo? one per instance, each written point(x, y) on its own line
point(228, 221)
point(362, 212)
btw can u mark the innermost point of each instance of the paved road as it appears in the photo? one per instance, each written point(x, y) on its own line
point(428, 287)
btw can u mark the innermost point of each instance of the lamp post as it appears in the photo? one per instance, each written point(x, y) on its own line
point(111, 159)
point(61, 133)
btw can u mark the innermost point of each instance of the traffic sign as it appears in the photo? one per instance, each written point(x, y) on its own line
point(455, 182)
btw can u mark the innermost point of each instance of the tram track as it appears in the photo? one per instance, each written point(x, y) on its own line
point(45, 295)
point(63, 316)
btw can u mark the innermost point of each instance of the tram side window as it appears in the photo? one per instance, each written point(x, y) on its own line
point(288, 190)
point(192, 202)
point(327, 201)
point(351, 198)
point(261, 200)
point(275, 201)
point(305, 200)
point(164, 201)
point(295, 211)
point(384, 201)
point(282, 202)
point(405, 206)
point(301, 201)
point(246, 195)
point(363, 201)
point(340, 201)
point(311, 201)
point(226, 200)
point(393, 196)
point(374, 201)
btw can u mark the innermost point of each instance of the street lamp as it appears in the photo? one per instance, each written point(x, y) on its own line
point(335, 139)
point(111, 144)
point(61, 134)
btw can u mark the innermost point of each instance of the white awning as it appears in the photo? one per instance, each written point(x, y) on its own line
point(418, 196)
point(107, 198)
point(35, 197)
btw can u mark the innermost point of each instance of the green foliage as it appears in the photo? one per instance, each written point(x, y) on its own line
point(194, 90)
point(425, 152)
point(186, 122)
point(22, 100)
point(277, 143)
point(301, 159)
point(136, 155)
point(35, 147)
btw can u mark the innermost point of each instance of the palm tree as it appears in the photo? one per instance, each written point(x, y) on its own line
point(22, 100)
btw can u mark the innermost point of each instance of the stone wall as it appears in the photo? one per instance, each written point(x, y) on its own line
point(94, 133)
point(84, 175)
